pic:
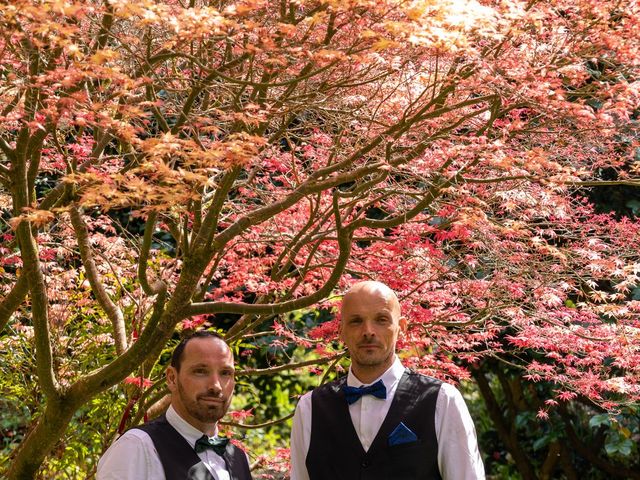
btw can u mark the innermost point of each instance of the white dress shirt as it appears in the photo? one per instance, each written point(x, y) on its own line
point(458, 455)
point(134, 457)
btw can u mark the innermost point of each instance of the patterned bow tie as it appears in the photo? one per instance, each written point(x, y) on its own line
point(353, 394)
point(219, 445)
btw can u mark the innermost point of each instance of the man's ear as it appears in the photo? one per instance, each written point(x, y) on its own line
point(402, 321)
point(171, 375)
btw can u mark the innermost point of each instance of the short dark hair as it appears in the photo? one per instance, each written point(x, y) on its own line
point(176, 357)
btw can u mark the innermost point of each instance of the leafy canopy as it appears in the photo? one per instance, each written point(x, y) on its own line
point(169, 163)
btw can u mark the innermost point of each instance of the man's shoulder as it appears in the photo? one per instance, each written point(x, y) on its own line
point(421, 377)
point(237, 452)
point(419, 383)
point(151, 425)
point(131, 456)
point(134, 439)
point(134, 435)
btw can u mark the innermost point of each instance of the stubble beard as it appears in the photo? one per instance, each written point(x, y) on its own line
point(372, 360)
point(202, 412)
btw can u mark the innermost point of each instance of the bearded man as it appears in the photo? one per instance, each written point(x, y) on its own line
point(183, 443)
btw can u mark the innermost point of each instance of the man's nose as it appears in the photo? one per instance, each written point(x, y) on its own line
point(214, 384)
point(368, 330)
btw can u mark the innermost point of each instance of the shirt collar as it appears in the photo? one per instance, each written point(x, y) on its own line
point(184, 428)
point(389, 378)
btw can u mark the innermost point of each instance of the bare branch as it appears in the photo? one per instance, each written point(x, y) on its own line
point(6, 148)
point(603, 183)
point(158, 286)
point(344, 243)
point(311, 186)
point(12, 301)
point(258, 425)
point(210, 222)
point(110, 308)
point(632, 182)
point(290, 366)
point(32, 271)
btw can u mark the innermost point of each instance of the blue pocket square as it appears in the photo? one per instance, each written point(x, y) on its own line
point(401, 435)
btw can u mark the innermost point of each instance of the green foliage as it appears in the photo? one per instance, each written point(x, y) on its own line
point(612, 437)
point(271, 398)
point(268, 397)
point(506, 471)
point(622, 432)
point(75, 456)
point(21, 401)
point(18, 397)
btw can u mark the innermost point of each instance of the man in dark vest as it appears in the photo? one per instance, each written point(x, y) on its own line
point(382, 421)
point(183, 444)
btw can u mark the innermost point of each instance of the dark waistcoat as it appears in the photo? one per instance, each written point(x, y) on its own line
point(335, 451)
point(181, 462)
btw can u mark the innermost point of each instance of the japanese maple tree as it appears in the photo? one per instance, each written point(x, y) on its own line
point(282, 150)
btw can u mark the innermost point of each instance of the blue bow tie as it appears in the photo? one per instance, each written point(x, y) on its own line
point(353, 394)
point(217, 444)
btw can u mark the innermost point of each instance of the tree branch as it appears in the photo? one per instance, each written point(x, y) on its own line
point(110, 308)
point(344, 243)
point(290, 366)
point(603, 183)
point(6, 148)
point(589, 454)
point(258, 425)
point(39, 305)
point(210, 223)
point(158, 286)
point(496, 415)
point(32, 271)
point(105, 27)
point(13, 300)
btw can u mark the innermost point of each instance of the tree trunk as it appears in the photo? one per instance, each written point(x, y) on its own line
point(42, 439)
point(506, 432)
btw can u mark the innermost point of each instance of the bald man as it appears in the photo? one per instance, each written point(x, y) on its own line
point(382, 421)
